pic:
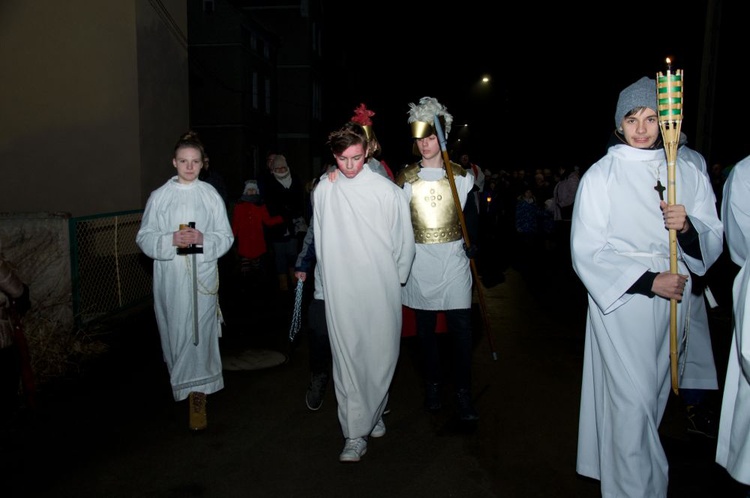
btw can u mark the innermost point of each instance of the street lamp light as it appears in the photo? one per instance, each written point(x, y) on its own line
point(478, 106)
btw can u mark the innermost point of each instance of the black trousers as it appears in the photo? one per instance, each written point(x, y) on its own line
point(460, 334)
point(320, 345)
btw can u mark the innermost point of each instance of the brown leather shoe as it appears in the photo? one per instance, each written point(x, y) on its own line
point(197, 407)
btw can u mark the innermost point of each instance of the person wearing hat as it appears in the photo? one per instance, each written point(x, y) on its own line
point(441, 278)
point(249, 218)
point(363, 117)
point(620, 250)
point(364, 247)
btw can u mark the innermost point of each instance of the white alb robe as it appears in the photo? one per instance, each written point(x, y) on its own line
point(364, 246)
point(441, 276)
point(191, 368)
point(617, 234)
point(733, 445)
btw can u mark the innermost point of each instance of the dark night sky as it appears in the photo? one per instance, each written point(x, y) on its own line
point(556, 74)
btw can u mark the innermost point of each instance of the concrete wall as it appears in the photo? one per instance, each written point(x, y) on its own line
point(94, 95)
point(163, 96)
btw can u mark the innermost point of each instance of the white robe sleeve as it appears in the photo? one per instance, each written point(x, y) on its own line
point(606, 272)
point(154, 239)
point(736, 219)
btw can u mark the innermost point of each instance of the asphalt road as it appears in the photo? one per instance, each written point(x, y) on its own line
point(114, 430)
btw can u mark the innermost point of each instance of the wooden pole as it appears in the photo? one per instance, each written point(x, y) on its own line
point(462, 222)
point(669, 98)
point(673, 269)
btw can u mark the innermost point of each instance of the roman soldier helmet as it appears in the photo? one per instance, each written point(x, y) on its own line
point(422, 117)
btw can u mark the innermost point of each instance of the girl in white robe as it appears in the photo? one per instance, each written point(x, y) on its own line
point(194, 370)
point(733, 446)
point(620, 251)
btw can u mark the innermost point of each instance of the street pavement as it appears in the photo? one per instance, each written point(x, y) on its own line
point(113, 429)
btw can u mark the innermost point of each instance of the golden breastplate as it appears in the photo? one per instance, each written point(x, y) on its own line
point(433, 212)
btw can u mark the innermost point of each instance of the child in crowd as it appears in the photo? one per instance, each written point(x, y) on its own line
point(249, 217)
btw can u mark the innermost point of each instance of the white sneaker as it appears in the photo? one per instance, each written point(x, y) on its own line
point(379, 429)
point(354, 449)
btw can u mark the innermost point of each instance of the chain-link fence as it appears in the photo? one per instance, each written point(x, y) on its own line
point(109, 271)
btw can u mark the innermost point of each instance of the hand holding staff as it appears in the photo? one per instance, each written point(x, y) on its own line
point(669, 98)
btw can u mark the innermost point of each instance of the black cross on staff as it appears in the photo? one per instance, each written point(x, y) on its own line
point(660, 188)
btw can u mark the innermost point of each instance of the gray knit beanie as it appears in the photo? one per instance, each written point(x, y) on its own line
point(642, 93)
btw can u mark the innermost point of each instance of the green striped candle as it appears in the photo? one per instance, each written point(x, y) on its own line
point(669, 95)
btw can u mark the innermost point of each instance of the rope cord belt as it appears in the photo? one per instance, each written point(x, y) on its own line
point(297, 314)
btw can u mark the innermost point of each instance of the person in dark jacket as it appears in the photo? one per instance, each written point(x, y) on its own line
point(285, 197)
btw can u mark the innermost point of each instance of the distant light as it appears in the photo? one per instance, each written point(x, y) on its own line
point(485, 79)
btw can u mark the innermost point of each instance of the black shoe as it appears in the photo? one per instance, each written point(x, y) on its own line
point(432, 401)
point(316, 391)
point(466, 411)
point(702, 420)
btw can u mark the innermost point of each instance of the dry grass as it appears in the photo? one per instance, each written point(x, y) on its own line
point(56, 352)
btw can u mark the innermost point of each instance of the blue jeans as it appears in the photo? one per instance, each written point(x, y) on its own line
point(459, 330)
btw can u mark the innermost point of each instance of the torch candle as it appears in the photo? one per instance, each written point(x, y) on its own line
point(669, 95)
point(669, 100)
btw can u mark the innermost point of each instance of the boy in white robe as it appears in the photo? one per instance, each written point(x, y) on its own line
point(620, 251)
point(733, 447)
point(364, 247)
point(319, 346)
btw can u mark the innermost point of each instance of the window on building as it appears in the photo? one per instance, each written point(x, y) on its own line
point(255, 90)
point(268, 96)
point(317, 110)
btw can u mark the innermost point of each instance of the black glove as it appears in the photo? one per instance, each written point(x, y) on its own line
point(22, 303)
point(471, 252)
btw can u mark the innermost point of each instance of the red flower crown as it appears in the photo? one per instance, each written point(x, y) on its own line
point(362, 115)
